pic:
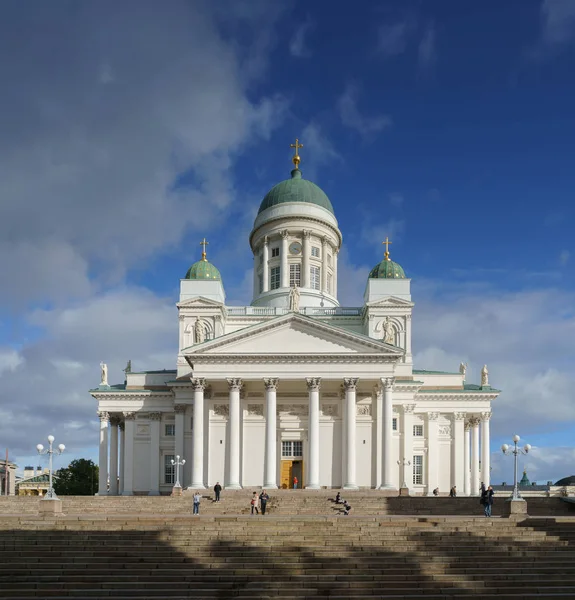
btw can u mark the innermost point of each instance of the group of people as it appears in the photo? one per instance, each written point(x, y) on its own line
point(346, 505)
point(257, 503)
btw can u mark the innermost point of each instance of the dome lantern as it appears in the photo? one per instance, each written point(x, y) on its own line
point(387, 269)
point(203, 269)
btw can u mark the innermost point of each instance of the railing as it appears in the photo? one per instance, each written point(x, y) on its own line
point(310, 311)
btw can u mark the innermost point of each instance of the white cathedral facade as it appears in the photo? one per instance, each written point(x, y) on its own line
point(294, 385)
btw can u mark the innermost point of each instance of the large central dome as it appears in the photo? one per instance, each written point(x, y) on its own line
point(296, 189)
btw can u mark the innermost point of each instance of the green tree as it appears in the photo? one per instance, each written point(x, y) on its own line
point(79, 478)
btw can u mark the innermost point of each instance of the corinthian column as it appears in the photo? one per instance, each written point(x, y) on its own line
point(485, 453)
point(313, 385)
point(198, 385)
point(458, 452)
point(270, 477)
point(386, 477)
point(114, 423)
point(122, 444)
point(467, 460)
point(474, 422)
point(407, 451)
point(180, 410)
point(103, 454)
point(155, 419)
point(284, 260)
point(432, 452)
point(266, 271)
point(235, 386)
point(128, 486)
point(350, 384)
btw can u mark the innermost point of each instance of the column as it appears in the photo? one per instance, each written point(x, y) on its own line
point(305, 282)
point(408, 338)
point(128, 480)
point(485, 449)
point(198, 386)
point(155, 419)
point(458, 452)
point(122, 444)
point(313, 385)
point(386, 477)
point(179, 450)
point(114, 423)
point(234, 423)
point(324, 265)
point(432, 452)
point(407, 446)
point(270, 475)
point(284, 260)
point(467, 460)
point(350, 384)
point(377, 402)
point(266, 269)
point(103, 454)
point(335, 255)
point(474, 421)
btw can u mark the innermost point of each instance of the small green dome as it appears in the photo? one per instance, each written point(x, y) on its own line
point(203, 269)
point(387, 269)
point(296, 189)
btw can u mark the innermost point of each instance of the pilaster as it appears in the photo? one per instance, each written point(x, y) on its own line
point(128, 479)
point(234, 385)
point(103, 454)
point(270, 463)
point(485, 449)
point(350, 384)
point(313, 387)
point(387, 474)
point(432, 452)
point(155, 419)
point(198, 386)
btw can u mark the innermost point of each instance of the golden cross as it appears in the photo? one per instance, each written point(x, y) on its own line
point(296, 158)
point(204, 243)
point(386, 244)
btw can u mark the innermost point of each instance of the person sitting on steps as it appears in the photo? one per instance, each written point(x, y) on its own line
point(338, 498)
point(346, 508)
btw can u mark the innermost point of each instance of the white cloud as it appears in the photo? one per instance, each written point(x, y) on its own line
point(10, 360)
point(319, 150)
point(373, 233)
point(297, 45)
point(392, 38)
point(352, 118)
point(558, 21)
point(426, 52)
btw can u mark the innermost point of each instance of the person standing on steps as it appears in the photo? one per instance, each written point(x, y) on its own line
point(436, 492)
point(487, 501)
point(264, 501)
point(482, 489)
point(197, 500)
point(295, 482)
point(254, 503)
point(217, 491)
point(453, 492)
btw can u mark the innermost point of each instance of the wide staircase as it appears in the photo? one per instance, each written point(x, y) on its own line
point(180, 556)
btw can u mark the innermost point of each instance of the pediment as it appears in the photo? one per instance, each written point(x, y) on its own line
point(294, 334)
point(390, 302)
point(199, 301)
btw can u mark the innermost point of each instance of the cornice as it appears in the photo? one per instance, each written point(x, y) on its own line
point(461, 395)
point(291, 358)
point(308, 218)
point(132, 395)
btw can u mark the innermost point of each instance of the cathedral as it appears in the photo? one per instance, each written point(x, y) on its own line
point(294, 389)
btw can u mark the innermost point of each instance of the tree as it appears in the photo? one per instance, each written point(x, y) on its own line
point(79, 478)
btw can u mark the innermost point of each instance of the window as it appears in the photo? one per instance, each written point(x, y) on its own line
point(418, 431)
point(394, 423)
point(292, 449)
point(275, 252)
point(295, 275)
point(170, 429)
point(169, 469)
point(261, 283)
point(315, 251)
point(418, 470)
point(275, 278)
point(329, 279)
point(329, 260)
point(261, 258)
point(314, 273)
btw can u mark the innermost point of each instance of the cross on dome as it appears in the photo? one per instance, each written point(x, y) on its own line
point(296, 157)
point(386, 243)
point(204, 243)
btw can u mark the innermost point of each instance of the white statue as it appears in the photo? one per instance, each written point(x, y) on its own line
point(103, 374)
point(484, 376)
point(199, 331)
point(463, 369)
point(294, 296)
point(388, 331)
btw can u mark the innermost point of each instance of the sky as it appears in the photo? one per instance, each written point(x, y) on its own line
point(130, 130)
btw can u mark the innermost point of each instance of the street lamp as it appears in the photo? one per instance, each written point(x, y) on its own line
point(405, 463)
point(516, 451)
point(51, 494)
point(178, 463)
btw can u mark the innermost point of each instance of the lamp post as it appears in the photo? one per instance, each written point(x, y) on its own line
point(516, 451)
point(404, 463)
point(178, 463)
point(51, 494)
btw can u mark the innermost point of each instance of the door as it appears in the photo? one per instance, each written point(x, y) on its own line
point(286, 474)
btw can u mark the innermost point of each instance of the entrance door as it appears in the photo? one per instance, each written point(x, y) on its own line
point(292, 464)
point(286, 474)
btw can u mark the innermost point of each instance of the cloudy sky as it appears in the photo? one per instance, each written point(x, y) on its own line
point(129, 130)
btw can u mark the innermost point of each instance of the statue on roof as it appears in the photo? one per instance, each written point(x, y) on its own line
point(294, 297)
point(484, 376)
point(463, 369)
point(388, 331)
point(103, 373)
point(200, 331)
point(128, 368)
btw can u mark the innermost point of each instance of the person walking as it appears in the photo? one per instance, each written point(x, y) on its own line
point(217, 491)
point(254, 503)
point(264, 501)
point(295, 482)
point(436, 491)
point(487, 501)
point(453, 492)
point(197, 500)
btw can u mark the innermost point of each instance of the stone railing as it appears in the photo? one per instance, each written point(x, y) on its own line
point(310, 311)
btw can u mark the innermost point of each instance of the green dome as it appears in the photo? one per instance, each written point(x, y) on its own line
point(296, 189)
point(387, 269)
point(203, 269)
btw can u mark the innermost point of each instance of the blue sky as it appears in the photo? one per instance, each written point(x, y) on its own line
point(134, 130)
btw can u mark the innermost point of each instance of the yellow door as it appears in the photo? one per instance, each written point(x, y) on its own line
point(286, 474)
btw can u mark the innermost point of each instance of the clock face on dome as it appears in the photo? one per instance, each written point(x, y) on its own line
point(295, 248)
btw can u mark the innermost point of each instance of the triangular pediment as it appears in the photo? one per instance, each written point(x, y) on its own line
point(294, 334)
point(199, 301)
point(390, 302)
